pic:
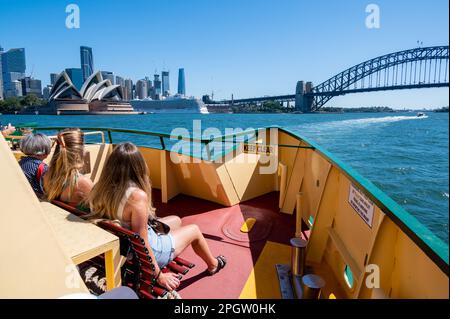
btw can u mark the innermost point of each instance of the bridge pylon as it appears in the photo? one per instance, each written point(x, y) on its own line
point(303, 101)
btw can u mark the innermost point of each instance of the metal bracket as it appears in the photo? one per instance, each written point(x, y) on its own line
point(284, 278)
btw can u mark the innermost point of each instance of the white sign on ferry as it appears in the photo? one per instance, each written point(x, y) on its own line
point(361, 204)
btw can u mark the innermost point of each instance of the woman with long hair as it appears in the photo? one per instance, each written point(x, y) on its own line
point(64, 181)
point(124, 193)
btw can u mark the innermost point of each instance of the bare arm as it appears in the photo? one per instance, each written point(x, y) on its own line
point(139, 217)
point(83, 188)
point(8, 130)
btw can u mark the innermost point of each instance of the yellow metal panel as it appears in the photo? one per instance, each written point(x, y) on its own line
point(350, 227)
point(200, 179)
point(227, 185)
point(383, 255)
point(153, 159)
point(169, 183)
point(415, 275)
point(350, 239)
point(263, 280)
point(324, 218)
point(314, 180)
point(287, 154)
point(249, 182)
point(294, 182)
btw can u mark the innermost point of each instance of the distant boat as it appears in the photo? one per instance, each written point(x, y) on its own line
point(420, 114)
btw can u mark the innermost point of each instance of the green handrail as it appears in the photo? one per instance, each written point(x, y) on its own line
point(170, 136)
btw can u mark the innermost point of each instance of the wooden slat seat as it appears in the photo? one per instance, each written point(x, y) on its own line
point(138, 269)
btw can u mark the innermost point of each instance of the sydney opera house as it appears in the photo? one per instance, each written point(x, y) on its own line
point(96, 96)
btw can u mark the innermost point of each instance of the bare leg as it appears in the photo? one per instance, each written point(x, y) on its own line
point(173, 221)
point(191, 234)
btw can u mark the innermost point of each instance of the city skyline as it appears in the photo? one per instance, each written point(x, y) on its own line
point(246, 58)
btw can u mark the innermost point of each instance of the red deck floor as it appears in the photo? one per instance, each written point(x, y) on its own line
point(241, 253)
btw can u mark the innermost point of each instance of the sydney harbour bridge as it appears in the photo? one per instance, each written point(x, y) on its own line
point(423, 67)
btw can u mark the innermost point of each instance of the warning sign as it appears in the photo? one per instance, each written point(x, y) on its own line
point(361, 204)
point(258, 149)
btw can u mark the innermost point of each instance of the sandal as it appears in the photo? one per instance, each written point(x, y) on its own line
point(221, 262)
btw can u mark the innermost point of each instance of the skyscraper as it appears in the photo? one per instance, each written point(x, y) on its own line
point(46, 91)
point(54, 76)
point(31, 86)
point(149, 87)
point(128, 92)
point(87, 61)
point(165, 83)
point(141, 89)
point(120, 81)
point(181, 82)
point(76, 76)
point(15, 89)
point(107, 75)
point(156, 87)
point(13, 69)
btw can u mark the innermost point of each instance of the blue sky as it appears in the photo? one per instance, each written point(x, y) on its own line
point(245, 47)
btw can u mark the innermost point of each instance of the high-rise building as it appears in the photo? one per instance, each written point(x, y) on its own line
point(54, 76)
point(87, 62)
point(181, 82)
point(13, 69)
point(10, 87)
point(1, 76)
point(165, 83)
point(149, 86)
point(14, 89)
point(107, 75)
point(141, 89)
point(120, 81)
point(46, 91)
point(31, 86)
point(76, 76)
point(128, 92)
point(156, 87)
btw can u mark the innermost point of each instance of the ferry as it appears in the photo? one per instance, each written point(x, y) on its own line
point(292, 219)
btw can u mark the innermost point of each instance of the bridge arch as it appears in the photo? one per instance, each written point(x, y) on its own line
point(414, 68)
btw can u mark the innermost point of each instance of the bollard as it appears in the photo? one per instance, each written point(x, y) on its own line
point(311, 286)
point(298, 256)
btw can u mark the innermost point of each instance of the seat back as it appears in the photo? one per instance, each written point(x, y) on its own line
point(138, 270)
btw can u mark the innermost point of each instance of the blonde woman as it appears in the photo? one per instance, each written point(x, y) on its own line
point(124, 193)
point(63, 180)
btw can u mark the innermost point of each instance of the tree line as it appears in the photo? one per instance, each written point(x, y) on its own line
point(13, 105)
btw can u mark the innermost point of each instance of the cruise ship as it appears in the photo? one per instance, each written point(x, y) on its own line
point(171, 104)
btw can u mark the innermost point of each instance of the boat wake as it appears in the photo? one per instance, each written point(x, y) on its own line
point(362, 122)
point(374, 120)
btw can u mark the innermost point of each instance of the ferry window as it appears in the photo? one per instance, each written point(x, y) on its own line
point(348, 275)
point(311, 220)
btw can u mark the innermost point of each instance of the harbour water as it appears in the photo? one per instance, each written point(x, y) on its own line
point(404, 155)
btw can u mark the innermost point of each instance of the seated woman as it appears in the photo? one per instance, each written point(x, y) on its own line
point(7, 130)
point(36, 147)
point(63, 181)
point(124, 193)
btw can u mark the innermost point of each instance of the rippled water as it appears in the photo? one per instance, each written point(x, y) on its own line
point(405, 156)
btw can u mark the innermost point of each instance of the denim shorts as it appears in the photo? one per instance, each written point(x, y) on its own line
point(163, 247)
